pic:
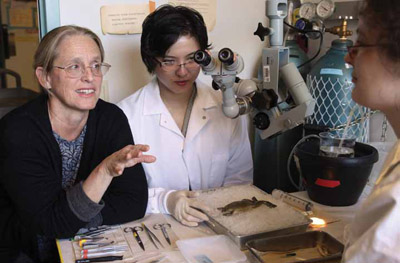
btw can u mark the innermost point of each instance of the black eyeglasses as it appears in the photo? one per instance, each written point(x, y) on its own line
point(353, 50)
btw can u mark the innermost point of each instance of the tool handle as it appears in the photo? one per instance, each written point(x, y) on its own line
point(99, 259)
point(165, 234)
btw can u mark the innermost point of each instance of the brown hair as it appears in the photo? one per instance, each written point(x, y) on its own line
point(47, 51)
point(382, 15)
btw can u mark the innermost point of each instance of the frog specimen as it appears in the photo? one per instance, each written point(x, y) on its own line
point(243, 206)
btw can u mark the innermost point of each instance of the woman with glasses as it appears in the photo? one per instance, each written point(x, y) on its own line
point(374, 235)
point(196, 146)
point(67, 159)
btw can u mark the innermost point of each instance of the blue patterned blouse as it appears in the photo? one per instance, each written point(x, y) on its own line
point(71, 152)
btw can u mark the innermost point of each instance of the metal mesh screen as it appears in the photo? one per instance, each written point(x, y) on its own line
point(333, 106)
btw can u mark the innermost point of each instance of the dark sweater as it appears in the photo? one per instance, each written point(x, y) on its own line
point(32, 201)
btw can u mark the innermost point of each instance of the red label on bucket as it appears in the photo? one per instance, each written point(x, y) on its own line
point(327, 183)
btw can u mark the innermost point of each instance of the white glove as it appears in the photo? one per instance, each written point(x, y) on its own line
point(186, 208)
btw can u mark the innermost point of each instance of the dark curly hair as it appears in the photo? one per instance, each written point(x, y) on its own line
point(383, 16)
point(162, 28)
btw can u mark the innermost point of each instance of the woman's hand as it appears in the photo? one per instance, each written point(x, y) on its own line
point(100, 178)
point(128, 156)
point(184, 206)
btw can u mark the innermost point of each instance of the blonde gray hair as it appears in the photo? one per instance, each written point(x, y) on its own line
point(48, 51)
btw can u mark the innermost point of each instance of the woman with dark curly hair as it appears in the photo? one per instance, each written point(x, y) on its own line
point(374, 235)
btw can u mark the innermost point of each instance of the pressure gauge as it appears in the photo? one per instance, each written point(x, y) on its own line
point(325, 8)
point(307, 10)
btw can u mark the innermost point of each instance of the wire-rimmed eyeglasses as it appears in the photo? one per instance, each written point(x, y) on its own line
point(170, 65)
point(353, 50)
point(77, 70)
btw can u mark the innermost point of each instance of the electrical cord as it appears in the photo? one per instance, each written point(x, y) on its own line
point(298, 187)
point(304, 32)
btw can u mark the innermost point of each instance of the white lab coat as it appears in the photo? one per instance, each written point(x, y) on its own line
point(215, 152)
point(374, 235)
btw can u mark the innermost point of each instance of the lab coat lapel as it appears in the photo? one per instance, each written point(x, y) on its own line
point(391, 162)
point(153, 105)
point(203, 107)
point(169, 123)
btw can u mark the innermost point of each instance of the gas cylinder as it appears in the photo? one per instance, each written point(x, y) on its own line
point(298, 57)
point(329, 82)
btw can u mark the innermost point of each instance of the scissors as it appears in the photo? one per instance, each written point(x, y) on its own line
point(135, 231)
point(152, 236)
point(164, 228)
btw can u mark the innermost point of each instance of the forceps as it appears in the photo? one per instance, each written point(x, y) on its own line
point(164, 227)
point(152, 236)
point(92, 233)
point(135, 231)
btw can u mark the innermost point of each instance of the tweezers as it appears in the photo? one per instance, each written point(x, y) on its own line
point(92, 233)
point(152, 236)
point(88, 245)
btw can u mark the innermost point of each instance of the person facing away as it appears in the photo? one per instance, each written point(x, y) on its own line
point(196, 146)
point(374, 235)
point(67, 158)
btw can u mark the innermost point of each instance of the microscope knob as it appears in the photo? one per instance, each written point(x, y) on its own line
point(215, 85)
point(264, 100)
point(201, 57)
point(262, 31)
point(226, 56)
point(261, 121)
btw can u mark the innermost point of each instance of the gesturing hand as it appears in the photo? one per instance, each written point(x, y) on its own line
point(128, 156)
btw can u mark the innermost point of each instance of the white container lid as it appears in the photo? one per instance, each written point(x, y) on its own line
point(212, 249)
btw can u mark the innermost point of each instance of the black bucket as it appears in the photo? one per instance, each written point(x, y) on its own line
point(335, 181)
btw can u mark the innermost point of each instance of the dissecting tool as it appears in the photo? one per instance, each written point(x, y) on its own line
point(115, 248)
point(96, 231)
point(92, 233)
point(164, 228)
point(99, 259)
point(102, 254)
point(152, 236)
point(86, 243)
point(135, 231)
point(96, 238)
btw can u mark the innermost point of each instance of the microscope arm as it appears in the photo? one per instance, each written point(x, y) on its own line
point(223, 71)
point(230, 106)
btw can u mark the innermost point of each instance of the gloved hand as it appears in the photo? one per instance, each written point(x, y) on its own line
point(184, 206)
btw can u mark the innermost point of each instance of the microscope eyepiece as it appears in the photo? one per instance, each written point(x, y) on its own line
point(226, 56)
point(201, 57)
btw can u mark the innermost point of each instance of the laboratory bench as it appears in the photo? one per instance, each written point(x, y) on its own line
point(336, 217)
